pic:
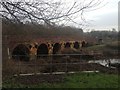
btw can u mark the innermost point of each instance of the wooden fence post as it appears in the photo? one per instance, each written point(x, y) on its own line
point(35, 65)
point(19, 70)
point(67, 63)
point(51, 63)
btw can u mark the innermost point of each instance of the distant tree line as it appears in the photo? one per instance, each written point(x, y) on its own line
point(39, 30)
point(104, 35)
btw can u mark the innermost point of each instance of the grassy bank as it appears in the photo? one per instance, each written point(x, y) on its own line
point(78, 80)
point(109, 49)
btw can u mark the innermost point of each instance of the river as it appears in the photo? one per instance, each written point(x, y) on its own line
point(105, 62)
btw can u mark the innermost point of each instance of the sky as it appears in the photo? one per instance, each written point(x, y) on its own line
point(104, 18)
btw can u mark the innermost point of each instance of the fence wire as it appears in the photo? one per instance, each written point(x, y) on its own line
point(51, 63)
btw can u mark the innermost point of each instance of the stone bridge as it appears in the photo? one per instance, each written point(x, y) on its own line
point(28, 48)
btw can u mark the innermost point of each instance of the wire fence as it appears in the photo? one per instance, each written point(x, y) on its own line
point(55, 63)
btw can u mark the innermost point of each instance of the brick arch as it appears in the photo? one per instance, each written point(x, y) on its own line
point(42, 49)
point(67, 45)
point(56, 47)
point(83, 43)
point(76, 45)
point(21, 52)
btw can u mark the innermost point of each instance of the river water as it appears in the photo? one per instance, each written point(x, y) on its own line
point(105, 62)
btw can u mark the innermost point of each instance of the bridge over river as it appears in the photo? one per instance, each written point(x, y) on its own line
point(23, 46)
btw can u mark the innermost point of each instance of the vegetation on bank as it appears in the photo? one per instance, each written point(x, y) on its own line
point(109, 49)
point(78, 80)
point(108, 45)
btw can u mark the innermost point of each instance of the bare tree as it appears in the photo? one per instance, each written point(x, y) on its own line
point(50, 12)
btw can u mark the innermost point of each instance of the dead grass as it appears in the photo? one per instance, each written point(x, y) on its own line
point(10, 67)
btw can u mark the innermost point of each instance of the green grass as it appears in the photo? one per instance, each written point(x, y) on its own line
point(110, 45)
point(96, 47)
point(78, 80)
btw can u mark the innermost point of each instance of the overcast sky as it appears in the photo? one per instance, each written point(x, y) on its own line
point(104, 18)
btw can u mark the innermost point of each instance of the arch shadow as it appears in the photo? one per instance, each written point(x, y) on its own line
point(67, 45)
point(76, 45)
point(42, 50)
point(56, 48)
point(21, 52)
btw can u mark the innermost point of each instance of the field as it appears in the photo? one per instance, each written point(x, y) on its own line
point(78, 80)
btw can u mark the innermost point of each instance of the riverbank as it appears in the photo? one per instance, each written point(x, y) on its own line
point(105, 50)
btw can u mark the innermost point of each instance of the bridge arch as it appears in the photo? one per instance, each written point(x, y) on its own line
point(56, 47)
point(21, 52)
point(67, 45)
point(42, 49)
point(83, 44)
point(76, 45)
